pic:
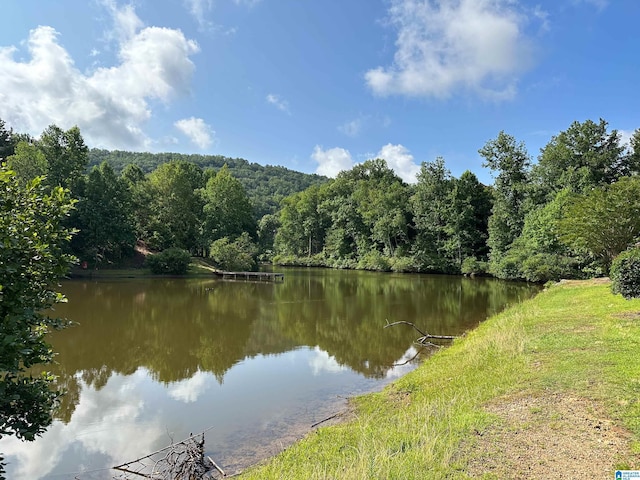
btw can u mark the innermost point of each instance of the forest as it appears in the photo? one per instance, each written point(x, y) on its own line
point(566, 214)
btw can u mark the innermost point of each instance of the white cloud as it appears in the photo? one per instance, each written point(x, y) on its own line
point(111, 104)
point(448, 46)
point(400, 161)
point(321, 361)
point(117, 407)
point(189, 390)
point(625, 137)
point(332, 161)
point(199, 10)
point(352, 128)
point(197, 130)
point(398, 158)
point(278, 102)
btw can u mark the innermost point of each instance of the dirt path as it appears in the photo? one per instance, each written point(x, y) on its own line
point(549, 436)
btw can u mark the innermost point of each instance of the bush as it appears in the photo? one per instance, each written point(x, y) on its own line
point(238, 255)
point(403, 264)
point(625, 274)
point(473, 266)
point(374, 260)
point(172, 261)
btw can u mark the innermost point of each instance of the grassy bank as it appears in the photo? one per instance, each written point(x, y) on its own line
point(575, 341)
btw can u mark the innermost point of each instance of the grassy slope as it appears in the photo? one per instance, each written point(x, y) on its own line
point(576, 338)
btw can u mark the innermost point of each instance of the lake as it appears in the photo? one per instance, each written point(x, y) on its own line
point(254, 364)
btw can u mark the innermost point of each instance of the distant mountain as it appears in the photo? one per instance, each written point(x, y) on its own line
point(266, 186)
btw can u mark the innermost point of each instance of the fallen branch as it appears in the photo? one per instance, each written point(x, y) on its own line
point(326, 419)
point(425, 336)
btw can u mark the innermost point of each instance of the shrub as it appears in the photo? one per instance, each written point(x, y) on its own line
point(473, 266)
point(172, 261)
point(403, 264)
point(374, 260)
point(625, 274)
point(238, 255)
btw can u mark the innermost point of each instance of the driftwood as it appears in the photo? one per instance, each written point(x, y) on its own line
point(184, 460)
point(424, 339)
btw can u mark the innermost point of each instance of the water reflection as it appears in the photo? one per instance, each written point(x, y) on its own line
point(155, 360)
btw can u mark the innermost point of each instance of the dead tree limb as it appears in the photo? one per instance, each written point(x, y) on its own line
point(425, 336)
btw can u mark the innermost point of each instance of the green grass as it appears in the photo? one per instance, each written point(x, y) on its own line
point(574, 337)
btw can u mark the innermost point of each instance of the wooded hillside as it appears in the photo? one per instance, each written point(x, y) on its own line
point(266, 186)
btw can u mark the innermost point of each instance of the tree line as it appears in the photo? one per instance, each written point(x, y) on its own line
point(568, 215)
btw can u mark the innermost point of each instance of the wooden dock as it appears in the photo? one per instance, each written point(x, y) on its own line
point(254, 276)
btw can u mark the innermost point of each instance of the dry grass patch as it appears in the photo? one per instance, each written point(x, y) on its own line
point(543, 436)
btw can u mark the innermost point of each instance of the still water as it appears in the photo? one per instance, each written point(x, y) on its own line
point(153, 360)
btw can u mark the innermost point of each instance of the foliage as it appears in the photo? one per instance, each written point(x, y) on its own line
point(538, 255)
point(28, 162)
point(580, 158)
point(267, 229)
point(625, 274)
point(238, 255)
point(175, 209)
point(66, 155)
point(104, 218)
point(266, 185)
point(511, 162)
point(32, 239)
point(603, 222)
point(8, 141)
point(473, 266)
point(227, 210)
point(172, 261)
point(374, 260)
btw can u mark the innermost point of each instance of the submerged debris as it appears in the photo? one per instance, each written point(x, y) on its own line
point(184, 460)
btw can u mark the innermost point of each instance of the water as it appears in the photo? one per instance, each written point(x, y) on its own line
point(153, 360)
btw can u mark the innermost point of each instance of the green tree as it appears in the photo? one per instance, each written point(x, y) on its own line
point(432, 212)
point(509, 162)
point(538, 254)
point(227, 210)
point(603, 222)
point(7, 141)
point(28, 162)
point(175, 206)
point(267, 229)
point(104, 218)
point(66, 155)
point(467, 227)
point(32, 238)
point(584, 156)
point(237, 255)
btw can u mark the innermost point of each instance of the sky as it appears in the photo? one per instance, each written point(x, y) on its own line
point(320, 85)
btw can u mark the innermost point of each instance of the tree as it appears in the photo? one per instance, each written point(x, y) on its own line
point(604, 222)
point(227, 211)
point(511, 162)
point(236, 255)
point(467, 228)
point(28, 162)
point(431, 204)
point(32, 239)
point(7, 141)
point(580, 158)
point(104, 217)
point(538, 255)
point(175, 206)
point(66, 155)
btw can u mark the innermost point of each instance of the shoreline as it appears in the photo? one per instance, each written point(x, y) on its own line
point(525, 395)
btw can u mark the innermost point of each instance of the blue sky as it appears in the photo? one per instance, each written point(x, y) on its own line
point(319, 85)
